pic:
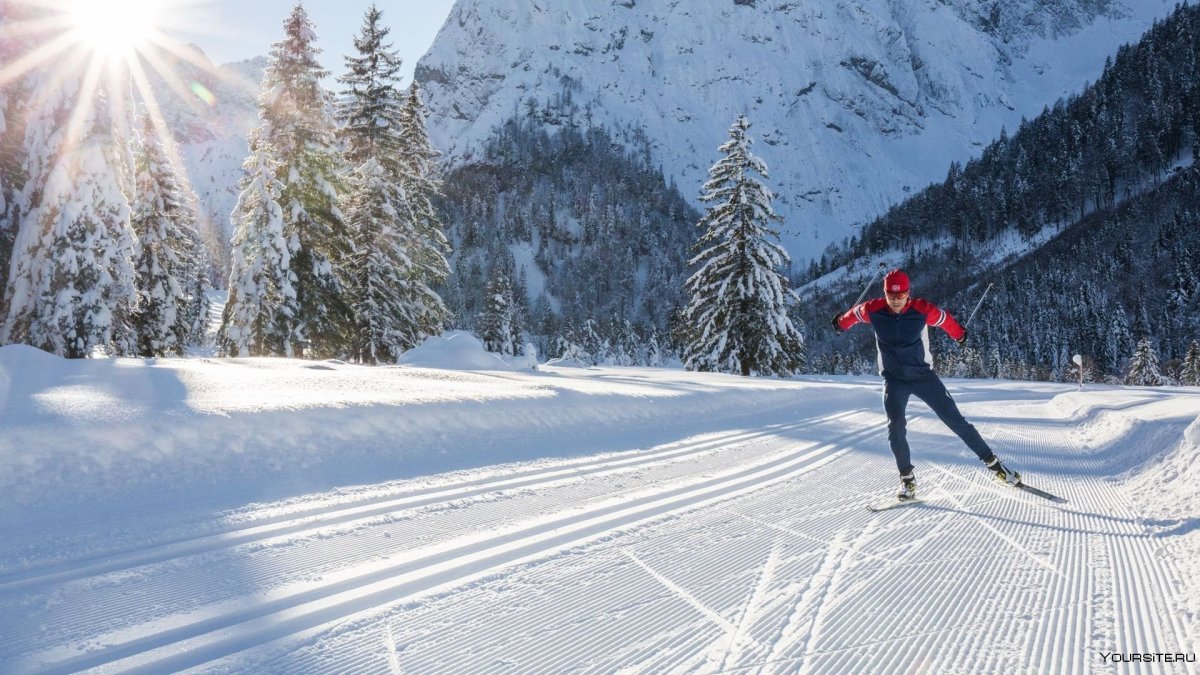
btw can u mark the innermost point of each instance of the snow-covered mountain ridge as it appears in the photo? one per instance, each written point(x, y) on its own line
point(856, 103)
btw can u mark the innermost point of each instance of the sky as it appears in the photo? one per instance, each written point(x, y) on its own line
point(235, 30)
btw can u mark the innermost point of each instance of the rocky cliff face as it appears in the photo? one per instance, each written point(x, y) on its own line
point(855, 102)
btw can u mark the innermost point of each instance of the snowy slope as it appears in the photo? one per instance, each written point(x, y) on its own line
point(857, 103)
point(267, 515)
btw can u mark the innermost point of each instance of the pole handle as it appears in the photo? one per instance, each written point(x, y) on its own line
point(868, 286)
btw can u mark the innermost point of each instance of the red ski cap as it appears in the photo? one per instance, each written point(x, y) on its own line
point(896, 281)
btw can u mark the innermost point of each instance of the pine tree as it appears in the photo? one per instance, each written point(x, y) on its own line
point(299, 133)
point(1141, 319)
point(196, 315)
point(995, 367)
point(569, 347)
point(259, 316)
point(654, 352)
point(1143, 368)
point(428, 246)
point(737, 318)
point(592, 343)
point(390, 214)
point(499, 323)
point(34, 114)
point(170, 257)
point(1118, 339)
point(1190, 374)
point(371, 105)
point(71, 286)
point(387, 303)
point(1182, 294)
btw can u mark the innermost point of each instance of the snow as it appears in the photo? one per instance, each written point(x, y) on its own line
point(457, 350)
point(459, 513)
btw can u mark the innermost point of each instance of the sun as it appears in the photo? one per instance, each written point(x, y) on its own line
point(114, 28)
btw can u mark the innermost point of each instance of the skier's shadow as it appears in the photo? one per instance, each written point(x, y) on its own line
point(1146, 528)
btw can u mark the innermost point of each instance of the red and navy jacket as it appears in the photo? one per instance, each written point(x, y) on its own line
point(902, 340)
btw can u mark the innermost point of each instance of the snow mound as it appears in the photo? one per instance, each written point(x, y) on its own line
point(456, 350)
point(1191, 435)
point(1166, 490)
point(23, 368)
point(24, 357)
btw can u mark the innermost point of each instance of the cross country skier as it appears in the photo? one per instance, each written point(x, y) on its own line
point(901, 326)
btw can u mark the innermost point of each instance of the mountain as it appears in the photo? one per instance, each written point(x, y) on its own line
point(857, 103)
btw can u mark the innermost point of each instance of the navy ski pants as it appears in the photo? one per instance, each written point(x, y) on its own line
point(928, 388)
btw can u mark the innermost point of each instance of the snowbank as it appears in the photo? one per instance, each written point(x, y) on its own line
point(456, 350)
point(171, 513)
point(129, 435)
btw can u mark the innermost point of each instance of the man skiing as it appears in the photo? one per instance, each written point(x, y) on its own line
point(901, 326)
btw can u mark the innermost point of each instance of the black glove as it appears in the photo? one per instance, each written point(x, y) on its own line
point(962, 341)
point(837, 323)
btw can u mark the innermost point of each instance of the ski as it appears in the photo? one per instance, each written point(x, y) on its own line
point(894, 503)
point(1041, 493)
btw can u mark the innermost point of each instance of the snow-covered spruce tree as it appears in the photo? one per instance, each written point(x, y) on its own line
point(196, 314)
point(71, 285)
point(654, 351)
point(500, 323)
point(170, 257)
point(388, 303)
point(427, 245)
point(395, 306)
point(371, 105)
point(736, 320)
point(259, 316)
point(573, 352)
point(1143, 368)
point(299, 133)
point(34, 114)
point(592, 342)
point(1189, 375)
point(1117, 339)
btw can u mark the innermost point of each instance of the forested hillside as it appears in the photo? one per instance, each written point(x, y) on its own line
point(1109, 175)
point(591, 234)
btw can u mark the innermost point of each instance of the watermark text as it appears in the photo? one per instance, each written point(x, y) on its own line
point(1147, 657)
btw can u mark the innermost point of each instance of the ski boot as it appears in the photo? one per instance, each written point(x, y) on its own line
point(908, 488)
point(1002, 472)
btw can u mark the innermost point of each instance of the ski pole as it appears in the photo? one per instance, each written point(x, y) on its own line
point(868, 286)
point(978, 305)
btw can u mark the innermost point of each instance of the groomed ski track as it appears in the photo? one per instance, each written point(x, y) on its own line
point(742, 550)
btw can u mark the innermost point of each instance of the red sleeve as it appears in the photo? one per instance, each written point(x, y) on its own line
point(861, 313)
point(938, 318)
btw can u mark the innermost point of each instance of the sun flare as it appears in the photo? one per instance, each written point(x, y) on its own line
point(114, 27)
point(112, 64)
